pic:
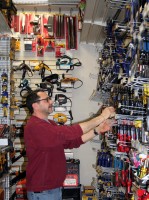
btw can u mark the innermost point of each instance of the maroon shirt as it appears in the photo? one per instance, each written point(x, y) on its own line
point(45, 143)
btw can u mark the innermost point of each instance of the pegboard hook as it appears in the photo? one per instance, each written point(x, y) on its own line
point(59, 10)
point(71, 10)
point(49, 9)
point(35, 9)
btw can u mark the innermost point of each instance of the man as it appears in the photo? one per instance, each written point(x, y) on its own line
point(45, 142)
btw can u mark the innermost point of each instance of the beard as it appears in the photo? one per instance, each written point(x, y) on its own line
point(50, 110)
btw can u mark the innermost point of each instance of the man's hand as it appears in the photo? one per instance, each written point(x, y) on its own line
point(108, 112)
point(105, 126)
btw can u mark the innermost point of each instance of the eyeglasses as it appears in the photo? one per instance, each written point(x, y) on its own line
point(46, 99)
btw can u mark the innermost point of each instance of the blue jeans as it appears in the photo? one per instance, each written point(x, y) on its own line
point(54, 194)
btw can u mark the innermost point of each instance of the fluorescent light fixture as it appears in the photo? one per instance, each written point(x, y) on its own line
point(64, 2)
point(50, 2)
point(31, 1)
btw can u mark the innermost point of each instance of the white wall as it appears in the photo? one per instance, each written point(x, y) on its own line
point(82, 107)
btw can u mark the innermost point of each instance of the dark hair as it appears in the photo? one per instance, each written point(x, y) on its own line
point(31, 98)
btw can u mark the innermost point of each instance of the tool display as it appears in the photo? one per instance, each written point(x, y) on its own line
point(123, 83)
point(48, 26)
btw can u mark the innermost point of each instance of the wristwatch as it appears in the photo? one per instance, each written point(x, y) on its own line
point(95, 132)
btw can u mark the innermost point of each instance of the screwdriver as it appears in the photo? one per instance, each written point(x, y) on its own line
point(123, 173)
point(129, 183)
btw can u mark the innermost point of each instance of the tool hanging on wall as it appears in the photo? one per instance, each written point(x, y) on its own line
point(36, 22)
point(60, 118)
point(49, 45)
point(41, 68)
point(70, 82)
point(25, 69)
point(13, 106)
point(49, 26)
point(4, 94)
point(60, 49)
point(4, 130)
point(25, 88)
point(40, 46)
point(28, 43)
point(147, 117)
point(47, 86)
point(60, 100)
point(67, 63)
point(81, 13)
point(59, 24)
point(54, 79)
point(71, 34)
point(23, 23)
point(62, 84)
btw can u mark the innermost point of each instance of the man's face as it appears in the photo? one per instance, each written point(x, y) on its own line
point(45, 104)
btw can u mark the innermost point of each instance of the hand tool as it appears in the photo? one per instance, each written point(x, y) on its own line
point(23, 23)
point(68, 38)
point(129, 181)
point(49, 26)
point(147, 117)
point(117, 182)
point(36, 24)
